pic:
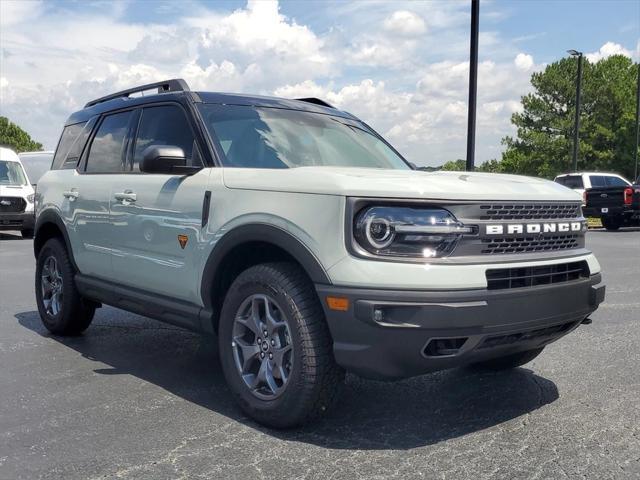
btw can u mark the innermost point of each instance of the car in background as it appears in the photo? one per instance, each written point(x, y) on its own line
point(586, 180)
point(607, 197)
point(16, 195)
point(36, 164)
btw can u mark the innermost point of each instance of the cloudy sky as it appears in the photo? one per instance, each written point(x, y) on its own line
point(400, 66)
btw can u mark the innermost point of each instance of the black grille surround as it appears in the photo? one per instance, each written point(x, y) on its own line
point(529, 211)
point(15, 205)
point(547, 217)
point(523, 277)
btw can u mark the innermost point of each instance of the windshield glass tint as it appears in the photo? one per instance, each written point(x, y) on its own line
point(11, 173)
point(255, 137)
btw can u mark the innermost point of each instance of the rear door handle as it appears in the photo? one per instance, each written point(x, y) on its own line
point(71, 194)
point(126, 196)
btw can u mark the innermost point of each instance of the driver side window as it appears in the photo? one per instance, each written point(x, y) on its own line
point(165, 125)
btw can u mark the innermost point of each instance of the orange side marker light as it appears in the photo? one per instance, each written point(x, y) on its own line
point(338, 303)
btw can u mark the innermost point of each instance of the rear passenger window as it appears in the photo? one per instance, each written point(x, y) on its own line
point(108, 147)
point(597, 181)
point(72, 142)
point(164, 125)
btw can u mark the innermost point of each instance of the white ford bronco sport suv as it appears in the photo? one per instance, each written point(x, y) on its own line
point(300, 238)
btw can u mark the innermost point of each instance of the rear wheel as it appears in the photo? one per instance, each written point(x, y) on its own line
point(275, 347)
point(62, 310)
point(508, 361)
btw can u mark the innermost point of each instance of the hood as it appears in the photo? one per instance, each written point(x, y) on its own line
point(15, 190)
point(371, 182)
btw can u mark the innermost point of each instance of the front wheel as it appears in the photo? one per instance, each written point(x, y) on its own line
point(508, 361)
point(275, 347)
point(62, 310)
point(27, 233)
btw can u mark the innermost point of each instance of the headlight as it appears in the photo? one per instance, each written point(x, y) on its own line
point(408, 232)
point(31, 197)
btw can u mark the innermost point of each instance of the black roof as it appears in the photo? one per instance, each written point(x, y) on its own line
point(171, 91)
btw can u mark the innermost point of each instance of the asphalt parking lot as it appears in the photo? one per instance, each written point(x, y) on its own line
point(134, 398)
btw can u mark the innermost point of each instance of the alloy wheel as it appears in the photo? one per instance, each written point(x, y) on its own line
point(262, 347)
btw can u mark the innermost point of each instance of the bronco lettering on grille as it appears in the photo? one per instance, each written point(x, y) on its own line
point(533, 228)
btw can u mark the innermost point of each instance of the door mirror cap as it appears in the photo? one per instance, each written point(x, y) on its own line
point(166, 159)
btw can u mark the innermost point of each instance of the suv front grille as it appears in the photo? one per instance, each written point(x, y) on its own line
point(529, 244)
point(529, 211)
point(505, 278)
point(12, 205)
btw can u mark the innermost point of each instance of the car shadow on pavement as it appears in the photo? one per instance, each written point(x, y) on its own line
point(371, 415)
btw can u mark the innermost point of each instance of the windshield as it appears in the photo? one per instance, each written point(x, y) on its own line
point(258, 137)
point(11, 173)
point(36, 165)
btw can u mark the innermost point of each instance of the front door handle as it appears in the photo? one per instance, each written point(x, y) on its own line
point(72, 194)
point(125, 197)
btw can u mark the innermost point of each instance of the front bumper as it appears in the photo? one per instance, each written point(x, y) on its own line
point(17, 221)
point(398, 333)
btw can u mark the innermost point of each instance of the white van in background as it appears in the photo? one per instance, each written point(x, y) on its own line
point(16, 195)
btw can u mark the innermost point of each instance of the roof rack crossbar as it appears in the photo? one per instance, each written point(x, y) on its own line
point(316, 101)
point(172, 85)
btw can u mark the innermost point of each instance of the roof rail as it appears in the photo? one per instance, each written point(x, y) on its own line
point(316, 101)
point(172, 85)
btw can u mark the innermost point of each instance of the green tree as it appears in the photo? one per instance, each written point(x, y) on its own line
point(542, 146)
point(12, 136)
point(458, 165)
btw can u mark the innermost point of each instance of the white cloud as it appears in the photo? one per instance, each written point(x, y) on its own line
point(15, 12)
point(400, 66)
point(606, 50)
point(403, 22)
point(523, 61)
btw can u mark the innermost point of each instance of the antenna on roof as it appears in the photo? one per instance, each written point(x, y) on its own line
point(172, 85)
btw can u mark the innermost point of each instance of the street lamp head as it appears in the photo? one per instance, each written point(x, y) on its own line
point(574, 53)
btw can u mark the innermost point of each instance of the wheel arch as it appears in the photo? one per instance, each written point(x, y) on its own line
point(49, 225)
point(249, 245)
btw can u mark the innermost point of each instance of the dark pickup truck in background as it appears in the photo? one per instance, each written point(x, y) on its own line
point(615, 206)
point(607, 197)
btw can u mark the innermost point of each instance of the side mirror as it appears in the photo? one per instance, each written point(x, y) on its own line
point(165, 159)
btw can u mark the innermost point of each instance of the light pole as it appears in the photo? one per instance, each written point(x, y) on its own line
point(473, 84)
point(576, 123)
point(635, 152)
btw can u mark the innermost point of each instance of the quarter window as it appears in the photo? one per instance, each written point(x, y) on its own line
point(108, 146)
point(164, 125)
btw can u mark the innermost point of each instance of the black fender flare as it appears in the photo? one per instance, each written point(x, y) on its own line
point(260, 232)
point(52, 217)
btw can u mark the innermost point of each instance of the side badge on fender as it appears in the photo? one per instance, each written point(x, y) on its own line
point(182, 240)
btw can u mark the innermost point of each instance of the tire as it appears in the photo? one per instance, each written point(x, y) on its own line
point(28, 233)
point(68, 313)
point(609, 224)
point(508, 361)
point(305, 380)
